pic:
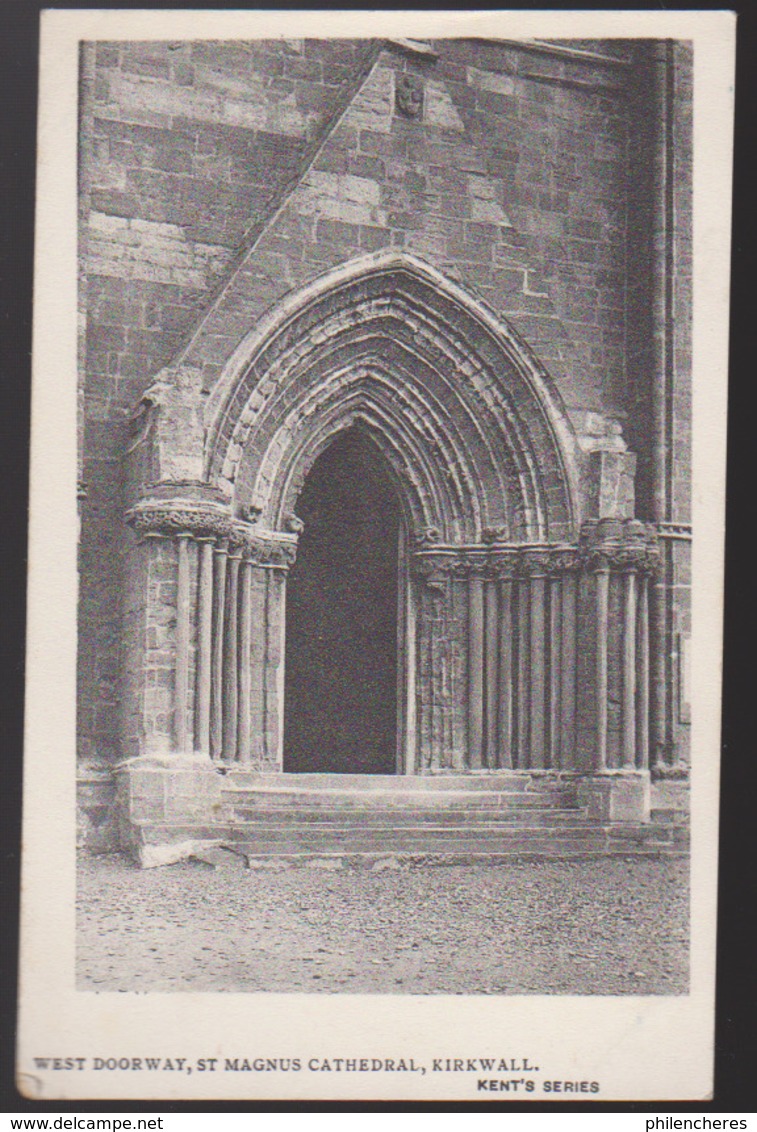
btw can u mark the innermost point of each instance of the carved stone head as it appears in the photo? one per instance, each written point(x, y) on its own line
point(408, 96)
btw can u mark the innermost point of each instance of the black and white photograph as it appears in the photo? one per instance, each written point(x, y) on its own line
point(379, 382)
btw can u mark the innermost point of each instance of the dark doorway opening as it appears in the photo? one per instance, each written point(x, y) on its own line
point(340, 703)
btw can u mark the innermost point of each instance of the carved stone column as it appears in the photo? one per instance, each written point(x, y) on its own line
point(274, 665)
point(191, 576)
point(476, 737)
point(504, 572)
point(204, 644)
point(220, 567)
point(534, 625)
point(244, 737)
point(565, 658)
point(602, 600)
point(181, 682)
point(629, 669)
point(534, 568)
point(617, 556)
point(500, 609)
point(642, 675)
point(441, 626)
point(230, 671)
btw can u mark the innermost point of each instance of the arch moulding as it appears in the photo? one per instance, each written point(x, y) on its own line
point(461, 407)
point(525, 616)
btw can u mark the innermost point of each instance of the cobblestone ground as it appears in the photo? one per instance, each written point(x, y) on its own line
point(616, 926)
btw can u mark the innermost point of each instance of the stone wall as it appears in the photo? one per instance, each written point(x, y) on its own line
point(679, 584)
point(217, 177)
point(511, 184)
point(659, 366)
point(185, 150)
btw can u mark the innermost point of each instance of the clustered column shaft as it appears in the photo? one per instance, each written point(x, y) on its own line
point(205, 641)
point(603, 593)
point(230, 664)
point(629, 670)
point(182, 642)
point(231, 618)
point(497, 635)
point(476, 673)
point(245, 665)
point(529, 617)
point(219, 616)
point(214, 596)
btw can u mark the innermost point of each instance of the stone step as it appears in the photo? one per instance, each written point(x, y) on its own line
point(538, 842)
point(555, 841)
point(446, 858)
point(277, 798)
point(509, 781)
point(666, 834)
point(441, 841)
point(338, 837)
point(155, 832)
point(444, 844)
point(405, 818)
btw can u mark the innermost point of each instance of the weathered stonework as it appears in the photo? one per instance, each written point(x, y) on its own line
point(464, 250)
point(621, 797)
point(97, 825)
point(178, 791)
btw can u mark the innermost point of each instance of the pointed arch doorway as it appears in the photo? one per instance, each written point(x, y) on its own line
point(344, 596)
point(484, 611)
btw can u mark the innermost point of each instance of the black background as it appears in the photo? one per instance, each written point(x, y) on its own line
point(736, 1033)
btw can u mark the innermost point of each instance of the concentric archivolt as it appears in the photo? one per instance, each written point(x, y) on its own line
point(466, 419)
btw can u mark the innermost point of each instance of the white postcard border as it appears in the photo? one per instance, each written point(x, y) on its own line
point(638, 1047)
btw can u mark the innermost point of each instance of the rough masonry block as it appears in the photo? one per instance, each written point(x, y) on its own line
point(617, 796)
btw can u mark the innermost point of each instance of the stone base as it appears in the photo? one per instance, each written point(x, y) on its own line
point(616, 796)
point(670, 802)
point(171, 806)
point(168, 852)
point(183, 790)
point(96, 825)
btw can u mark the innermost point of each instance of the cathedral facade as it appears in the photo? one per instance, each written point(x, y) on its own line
point(385, 418)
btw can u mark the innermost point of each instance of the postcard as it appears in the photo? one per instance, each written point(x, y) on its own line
point(376, 555)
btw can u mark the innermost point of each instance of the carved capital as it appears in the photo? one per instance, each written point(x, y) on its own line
point(430, 536)
point(172, 518)
point(547, 561)
point(562, 561)
point(434, 568)
point(619, 559)
point(496, 562)
point(504, 565)
point(533, 564)
point(276, 554)
point(619, 545)
point(478, 566)
point(433, 572)
point(250, 512)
